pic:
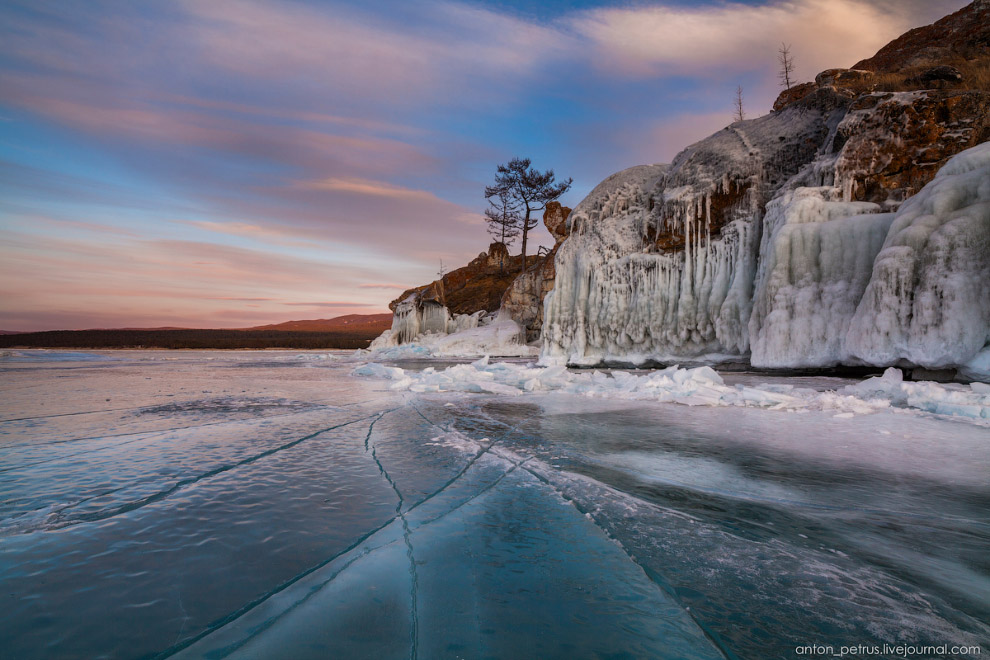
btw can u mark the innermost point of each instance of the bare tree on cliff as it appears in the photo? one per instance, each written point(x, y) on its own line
point(529, 189)
point(739, 114)
point(786, 61)
point(503, 220)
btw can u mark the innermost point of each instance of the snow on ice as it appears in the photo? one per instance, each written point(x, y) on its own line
point(701, 386)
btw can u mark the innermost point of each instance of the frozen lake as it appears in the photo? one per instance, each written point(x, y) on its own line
point(272, 504)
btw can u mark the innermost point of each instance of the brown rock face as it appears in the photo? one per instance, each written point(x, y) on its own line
point(793, 94)
point(523, 300)
point(840, 76)
point(964, 34)
point(893, 144)
point(951, 54)
point(498, 256)
point(477, 286)
point(555, 219)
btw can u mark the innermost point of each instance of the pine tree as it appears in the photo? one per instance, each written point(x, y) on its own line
point(528, 190)
point(504, 221)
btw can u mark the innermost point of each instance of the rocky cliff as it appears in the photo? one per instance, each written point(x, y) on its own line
point(523, 300)
point(476, 287)
point(776, 238)
point(468, 296)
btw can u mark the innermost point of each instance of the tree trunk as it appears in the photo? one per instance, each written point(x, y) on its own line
point(525, 229)
point(501, 258)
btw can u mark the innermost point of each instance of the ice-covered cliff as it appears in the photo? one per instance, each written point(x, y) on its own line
point(666, 263)
point(928, 298)
point(787, 240)
point(808, 279)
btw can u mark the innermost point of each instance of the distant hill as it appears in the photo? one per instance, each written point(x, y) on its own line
point(348, 332)
point(9, 332)
point(368, 322)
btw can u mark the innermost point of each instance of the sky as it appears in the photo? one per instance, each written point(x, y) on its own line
point(232, 163)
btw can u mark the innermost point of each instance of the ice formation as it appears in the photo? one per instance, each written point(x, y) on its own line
point(749, 245)
point(412, 319)
point(463, 335)
point(701, 386)
point(815, 265)
point(928, 301)
point(661, 261)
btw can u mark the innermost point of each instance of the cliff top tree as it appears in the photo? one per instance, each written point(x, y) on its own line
point(739, 114)
point(786, 61)
point(503, 220)
point(528, 190)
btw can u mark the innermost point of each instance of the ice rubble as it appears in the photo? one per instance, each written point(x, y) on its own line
point(701, 386)
point(809, 279)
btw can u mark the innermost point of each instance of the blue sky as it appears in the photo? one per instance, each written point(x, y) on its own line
point(232, 163)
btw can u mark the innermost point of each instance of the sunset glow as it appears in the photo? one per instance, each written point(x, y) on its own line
point(231, 164)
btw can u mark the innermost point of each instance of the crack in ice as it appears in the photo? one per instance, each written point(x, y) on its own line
point(233, 616)
point(161, 495)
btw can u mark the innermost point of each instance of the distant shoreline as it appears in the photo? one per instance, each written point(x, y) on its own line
point(191, 339)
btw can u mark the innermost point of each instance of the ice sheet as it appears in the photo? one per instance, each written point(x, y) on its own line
point(268, 502)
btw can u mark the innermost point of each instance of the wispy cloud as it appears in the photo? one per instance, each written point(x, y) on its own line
point(366, 187)
point(666, 40)
point(327, 304)
point(395, 56)
point(235, 299)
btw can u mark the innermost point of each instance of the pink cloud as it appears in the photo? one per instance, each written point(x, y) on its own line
point(375, 59)
point(358, 186)
point(327, 304)
point(665, 40)
point(87, 283)
point(401, 287)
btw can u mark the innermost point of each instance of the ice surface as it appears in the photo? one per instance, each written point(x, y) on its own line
point(972, 401)
point(427, 324)
point(978, 368)
point(816, 262)
point(613, 299)
point(701, 386)
point(410, 320)
point(268, 503)
point(43, 355)
point(619, 294)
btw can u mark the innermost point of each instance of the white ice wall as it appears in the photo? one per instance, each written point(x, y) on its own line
point(815, 281)
point(928, 300)
point(815, 263)
point(618, 297)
